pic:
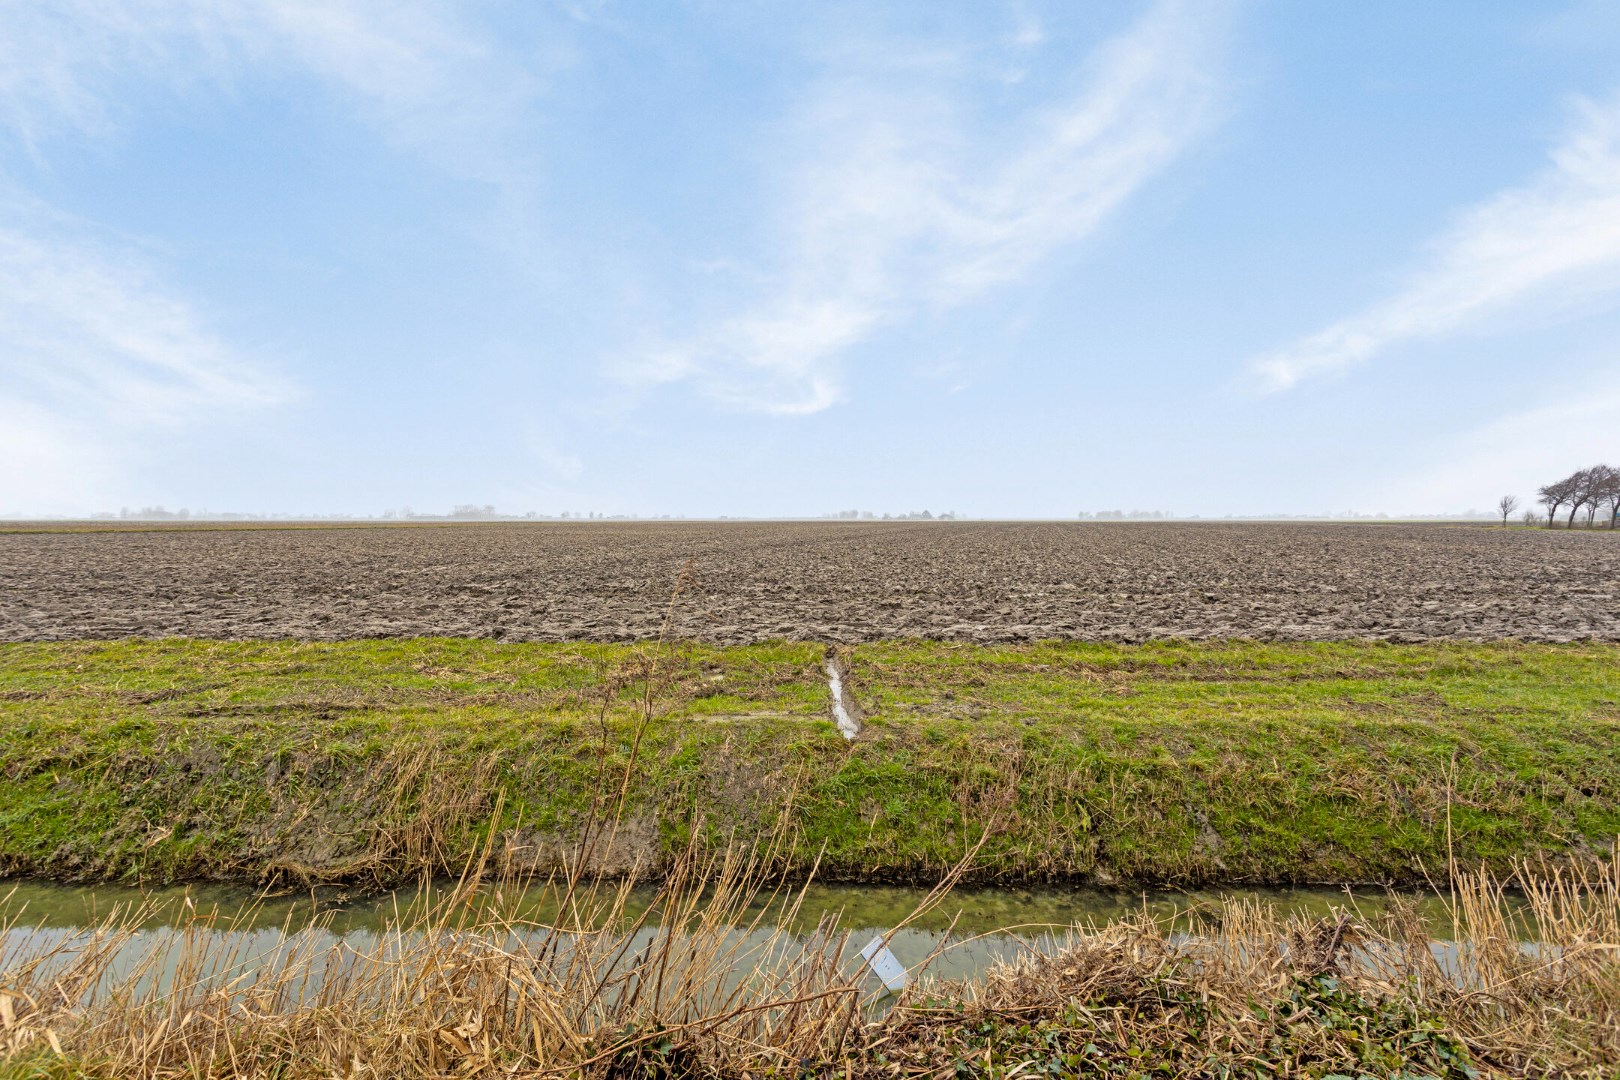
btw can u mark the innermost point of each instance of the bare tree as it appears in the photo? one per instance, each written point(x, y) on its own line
point(1580, 493)
point(1595, 490)
point(1507, 504)
point(1557, 494)
point(1591, 490)
point(1605, 486)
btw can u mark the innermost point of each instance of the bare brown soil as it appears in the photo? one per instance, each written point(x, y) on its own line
point(839, 582)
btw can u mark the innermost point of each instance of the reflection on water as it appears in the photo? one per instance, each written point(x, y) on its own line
point(1022, 912)
point(246, 930)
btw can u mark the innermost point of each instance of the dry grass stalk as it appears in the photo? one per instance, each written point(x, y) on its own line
point(1355, 994)
point(464, 986)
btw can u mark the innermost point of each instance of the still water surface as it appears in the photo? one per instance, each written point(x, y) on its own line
point(990, 923)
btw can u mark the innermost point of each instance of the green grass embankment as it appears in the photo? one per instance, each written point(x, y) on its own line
point(1182, 763)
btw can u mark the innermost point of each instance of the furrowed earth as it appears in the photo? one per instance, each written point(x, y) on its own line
point(830, 582)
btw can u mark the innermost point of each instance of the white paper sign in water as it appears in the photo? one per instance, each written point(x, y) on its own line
point(882, 961)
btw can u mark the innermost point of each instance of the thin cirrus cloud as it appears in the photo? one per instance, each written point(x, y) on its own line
point(431, 82)
point(893, 213)
point(1552, 245)
point(92, 326)
point(424, 77)
point(97, 353)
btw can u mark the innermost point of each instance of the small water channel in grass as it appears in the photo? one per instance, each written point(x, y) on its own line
point(981, 925)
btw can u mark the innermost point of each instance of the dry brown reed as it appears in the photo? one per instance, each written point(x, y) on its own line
point(707, 977)
point(1524, 982)
point(712, 980)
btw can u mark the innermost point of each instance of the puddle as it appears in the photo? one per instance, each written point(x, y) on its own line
point(845, 711)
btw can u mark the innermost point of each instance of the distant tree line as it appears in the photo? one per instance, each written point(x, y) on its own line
point(1584, 492)
point(153, 513)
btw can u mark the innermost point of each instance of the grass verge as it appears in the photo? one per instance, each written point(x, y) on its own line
point(377, 761)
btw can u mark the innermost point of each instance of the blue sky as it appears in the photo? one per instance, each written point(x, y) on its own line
point(776, 259)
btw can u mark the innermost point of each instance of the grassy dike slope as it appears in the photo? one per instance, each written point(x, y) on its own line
point(375, 761)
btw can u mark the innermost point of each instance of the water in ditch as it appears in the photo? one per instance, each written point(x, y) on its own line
point(981, 926)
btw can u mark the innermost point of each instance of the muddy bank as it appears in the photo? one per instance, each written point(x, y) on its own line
point(829, 582)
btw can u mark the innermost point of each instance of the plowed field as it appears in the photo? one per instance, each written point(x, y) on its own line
point(843, 582)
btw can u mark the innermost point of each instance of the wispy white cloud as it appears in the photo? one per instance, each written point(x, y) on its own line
point(54, 59)
point(434, 82)
point(97, 355)
point(90, 325)
point(897, 209)
point(430, 80)
point(1551, 246)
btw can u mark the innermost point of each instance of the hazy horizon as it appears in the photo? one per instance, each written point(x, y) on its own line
point(492, 514)
point(1010, 260)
